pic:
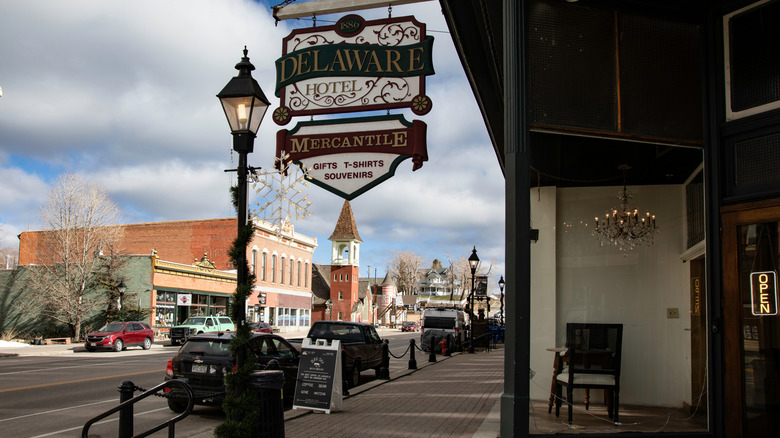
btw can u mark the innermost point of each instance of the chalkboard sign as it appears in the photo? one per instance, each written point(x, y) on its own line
point(319, 385)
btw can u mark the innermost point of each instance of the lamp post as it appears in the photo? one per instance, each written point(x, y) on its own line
point(121, 288)
point(245, 105)
point(473, 263)
point(501, 284)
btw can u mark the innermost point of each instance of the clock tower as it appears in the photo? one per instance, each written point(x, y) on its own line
point(345, 266)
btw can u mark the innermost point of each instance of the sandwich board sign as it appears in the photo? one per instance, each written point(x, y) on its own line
point(352, 155)
point(319, 385)
point(354, 65)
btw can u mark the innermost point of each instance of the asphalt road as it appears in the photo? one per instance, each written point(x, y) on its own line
point(53, 396)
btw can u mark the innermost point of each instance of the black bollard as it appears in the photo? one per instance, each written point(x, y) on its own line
point(126, 390)
point(432, 357)
point(384, 371)
point(412, 361)
point(344, 377)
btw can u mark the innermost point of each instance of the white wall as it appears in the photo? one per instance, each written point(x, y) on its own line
point(576, 280)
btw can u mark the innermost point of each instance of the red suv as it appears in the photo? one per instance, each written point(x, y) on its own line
point(261, 327)
point(119, 335)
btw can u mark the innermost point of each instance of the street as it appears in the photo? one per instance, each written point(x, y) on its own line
point(53, 396)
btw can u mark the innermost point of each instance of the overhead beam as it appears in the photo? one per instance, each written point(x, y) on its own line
point(324, 7)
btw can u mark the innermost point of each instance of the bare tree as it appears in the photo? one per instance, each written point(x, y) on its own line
point(9, 256)
point(461, 270)
point(404, 267)
point(81, 231)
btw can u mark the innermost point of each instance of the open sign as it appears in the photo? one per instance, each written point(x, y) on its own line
point(763, 289)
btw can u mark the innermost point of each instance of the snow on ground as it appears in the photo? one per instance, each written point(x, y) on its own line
point(8, 344)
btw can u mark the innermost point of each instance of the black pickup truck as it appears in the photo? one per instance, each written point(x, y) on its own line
point(360, 345)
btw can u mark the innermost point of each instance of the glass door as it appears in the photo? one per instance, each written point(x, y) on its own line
point(751, 321)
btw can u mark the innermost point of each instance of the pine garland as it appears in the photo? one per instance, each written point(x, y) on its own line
point(241, 405)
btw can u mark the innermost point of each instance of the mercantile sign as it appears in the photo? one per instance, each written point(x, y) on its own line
point(352, 155)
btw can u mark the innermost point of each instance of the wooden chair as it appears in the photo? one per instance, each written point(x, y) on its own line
point(594, 352)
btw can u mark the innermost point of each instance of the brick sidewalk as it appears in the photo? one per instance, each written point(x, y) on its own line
point(450, 398)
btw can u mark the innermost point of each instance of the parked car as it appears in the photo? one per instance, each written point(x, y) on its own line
point(441, 322)
point(360, 343)
point(204, 359)
point(410, 326)
point(200, 324)
point(119, 335)
point(261, 327)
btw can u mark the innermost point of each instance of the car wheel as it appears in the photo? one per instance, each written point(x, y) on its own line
point(91, 349)
point(118, 345)
point(355, 377)
point(147, 344)
point(176, 406)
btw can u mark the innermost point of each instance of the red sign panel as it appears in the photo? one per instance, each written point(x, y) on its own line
point(350, 156)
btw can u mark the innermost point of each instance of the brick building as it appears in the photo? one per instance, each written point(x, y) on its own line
point(191, 272)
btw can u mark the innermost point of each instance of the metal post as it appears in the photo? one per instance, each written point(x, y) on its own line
point(126, 390)
point(384, 371)
point(412, 361)
point(515, 400)
point(432, 356)
point(239, 144)
point(473, 318)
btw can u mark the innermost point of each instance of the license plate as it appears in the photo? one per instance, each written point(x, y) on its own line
point(93, 344)
point(199, 368)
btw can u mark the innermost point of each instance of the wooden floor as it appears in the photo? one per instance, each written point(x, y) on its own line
point(632, 419)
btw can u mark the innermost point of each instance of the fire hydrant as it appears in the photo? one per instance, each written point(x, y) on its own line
point(443, 345)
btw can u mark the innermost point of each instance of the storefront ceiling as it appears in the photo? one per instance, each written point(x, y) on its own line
point(564, 160)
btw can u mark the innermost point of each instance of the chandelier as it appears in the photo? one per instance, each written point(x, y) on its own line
point(623, 227)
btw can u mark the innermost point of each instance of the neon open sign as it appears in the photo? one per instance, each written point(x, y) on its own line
point(763, 290)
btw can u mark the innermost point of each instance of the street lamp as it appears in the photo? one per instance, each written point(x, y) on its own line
point(245, 105)
point(501, 284)
point(122, 288)
point(473, 263)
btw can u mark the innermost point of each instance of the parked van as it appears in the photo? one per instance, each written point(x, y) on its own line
point(441, 322)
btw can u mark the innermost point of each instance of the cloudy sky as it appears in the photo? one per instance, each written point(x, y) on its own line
point(123, 93)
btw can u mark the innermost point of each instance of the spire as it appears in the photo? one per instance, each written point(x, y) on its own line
point(346, 229)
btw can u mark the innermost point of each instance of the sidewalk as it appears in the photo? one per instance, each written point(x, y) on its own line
point(456, 396)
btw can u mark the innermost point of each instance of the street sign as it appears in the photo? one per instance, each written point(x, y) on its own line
point(319, 384)
point(354, 65)
point(350, 156)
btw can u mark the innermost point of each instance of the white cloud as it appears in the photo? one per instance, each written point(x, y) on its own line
point(123, 93)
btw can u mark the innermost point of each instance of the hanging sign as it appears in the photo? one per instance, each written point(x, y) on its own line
point(350, 156)
point(481, 286)
point(183, 299)
point(354, 65)
point(319, 383)
point(763, 291)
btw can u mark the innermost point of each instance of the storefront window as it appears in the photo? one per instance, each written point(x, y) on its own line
point(644, 294)
point(165, 309)
point(758, 263)
point(304, 317)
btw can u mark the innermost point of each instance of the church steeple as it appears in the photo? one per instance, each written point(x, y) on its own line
point(345, 239)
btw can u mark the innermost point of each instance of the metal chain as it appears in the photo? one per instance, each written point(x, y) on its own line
point(402, 355)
